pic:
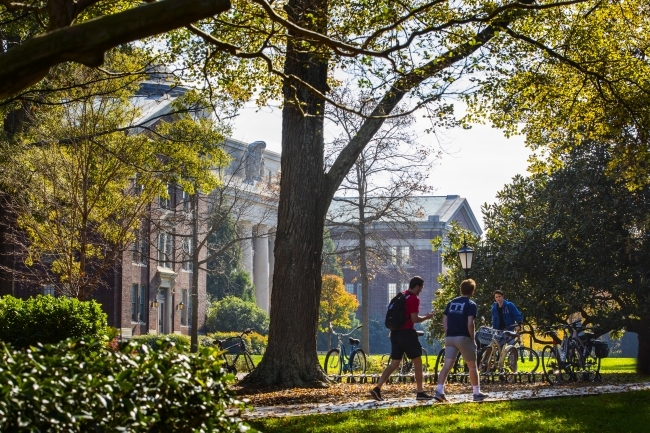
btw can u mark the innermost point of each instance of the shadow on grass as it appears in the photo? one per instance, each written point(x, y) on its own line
point(626, 412)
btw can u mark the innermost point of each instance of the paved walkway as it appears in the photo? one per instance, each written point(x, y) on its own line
point(546, 392)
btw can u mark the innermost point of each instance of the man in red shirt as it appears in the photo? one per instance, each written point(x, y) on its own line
point(406, 341)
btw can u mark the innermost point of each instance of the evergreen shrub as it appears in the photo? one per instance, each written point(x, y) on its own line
point(182, 343)
point(83, 386)
point(49, 319)
point(235, 314)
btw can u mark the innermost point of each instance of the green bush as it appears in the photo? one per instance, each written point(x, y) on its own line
point(255, 342)
point(182, 343)
point(49, 319)
point(234, 314)
point(82, 386)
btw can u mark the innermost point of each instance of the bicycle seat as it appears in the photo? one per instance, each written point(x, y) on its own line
point(420, 333)
point(354, 341)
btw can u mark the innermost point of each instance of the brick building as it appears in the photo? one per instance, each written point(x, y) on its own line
point(410, 252)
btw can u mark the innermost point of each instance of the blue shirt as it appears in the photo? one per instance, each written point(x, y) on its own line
point(457, 312)
point(511, 315)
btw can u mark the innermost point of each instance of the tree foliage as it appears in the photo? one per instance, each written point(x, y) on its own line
point(82, 171)
point(336, 305)
point(235, 314)
point(573, 241)
point(225, 274)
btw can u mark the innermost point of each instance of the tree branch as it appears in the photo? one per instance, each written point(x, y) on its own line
point(86, 43)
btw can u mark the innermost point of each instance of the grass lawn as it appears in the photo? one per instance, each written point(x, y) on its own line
point(618, 365)
point(627, 412)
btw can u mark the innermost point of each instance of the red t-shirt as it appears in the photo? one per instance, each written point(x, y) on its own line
point(412, 306)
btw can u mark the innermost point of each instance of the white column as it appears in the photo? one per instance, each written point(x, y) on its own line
point(246, 231)
point(271, 267)
point(261, 270)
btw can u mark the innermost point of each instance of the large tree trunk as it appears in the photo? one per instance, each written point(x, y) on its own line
point(290, 359)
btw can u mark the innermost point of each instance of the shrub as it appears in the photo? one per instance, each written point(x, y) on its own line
point(81, 386)
point(49, 319)
point(256, 343)
point(182, 343)
point(234, 314)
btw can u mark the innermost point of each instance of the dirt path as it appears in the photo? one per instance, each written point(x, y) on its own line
point(398, 396)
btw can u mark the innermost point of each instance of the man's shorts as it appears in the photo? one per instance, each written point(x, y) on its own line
point(405, 341)
point(465, 345)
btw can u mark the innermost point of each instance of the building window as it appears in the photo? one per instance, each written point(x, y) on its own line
point(143, 299)
point(165, 249)
point(392, 291)
point(167, 202)
point(406, 255)
point(134, 303)
point(393, 255)
point(405, 287)
point(186, 309)
point(188, 252)
point(349, 287)
point(186, 201)
point(48, 290)
point(140, 248)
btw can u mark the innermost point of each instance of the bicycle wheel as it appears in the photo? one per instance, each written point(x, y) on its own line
point(246, 364)
point(485, 364)
point(358, 362)
point(425, 361)
point(405, 366)
point(588, 368)
point(510, 361)
point(230, 363)
point(553, 369)
point(440, 361)
point(333, 364)
point(527, 360)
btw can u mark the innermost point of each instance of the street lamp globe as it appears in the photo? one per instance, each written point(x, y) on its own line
point(465, 255)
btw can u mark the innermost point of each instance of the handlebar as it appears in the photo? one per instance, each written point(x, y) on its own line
point(343, 335)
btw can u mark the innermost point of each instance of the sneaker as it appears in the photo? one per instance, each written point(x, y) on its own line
point(376, 393)
point(440, 397)
point(480, 396)
point(423, 396)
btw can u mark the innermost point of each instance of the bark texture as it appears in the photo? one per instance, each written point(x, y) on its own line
point(290, 359)
point(86, 43)
point(643, 355)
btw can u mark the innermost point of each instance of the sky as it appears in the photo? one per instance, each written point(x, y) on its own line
point(475, 164)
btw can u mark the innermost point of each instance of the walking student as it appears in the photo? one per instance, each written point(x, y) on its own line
point(406, 340)
point(458, 323)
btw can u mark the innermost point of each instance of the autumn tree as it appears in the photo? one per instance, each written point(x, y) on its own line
point(377, 197)
point(336, 305)
point(79, 178)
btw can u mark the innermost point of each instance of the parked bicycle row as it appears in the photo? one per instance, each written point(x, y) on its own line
point(492, 353)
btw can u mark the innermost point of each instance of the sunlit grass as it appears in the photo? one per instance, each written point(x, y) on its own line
point(625, 412)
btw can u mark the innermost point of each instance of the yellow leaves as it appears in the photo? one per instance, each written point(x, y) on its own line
point(336, 303)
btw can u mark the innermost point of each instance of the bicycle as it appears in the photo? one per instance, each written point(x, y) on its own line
point(233, 348)
point(406, 365)
point(573, 355)
point(502, 352)
point(459, 366)
point(337, 360)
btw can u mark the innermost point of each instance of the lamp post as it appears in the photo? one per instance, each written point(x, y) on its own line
point(465, 255)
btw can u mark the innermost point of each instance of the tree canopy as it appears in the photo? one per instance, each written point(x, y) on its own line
point(572, 241)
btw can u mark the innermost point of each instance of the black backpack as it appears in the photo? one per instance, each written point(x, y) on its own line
point(396, 314)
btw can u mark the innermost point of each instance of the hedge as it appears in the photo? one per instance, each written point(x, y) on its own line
point(234, 314)
point(82, 386)
point(49, 320)
point(256, 343)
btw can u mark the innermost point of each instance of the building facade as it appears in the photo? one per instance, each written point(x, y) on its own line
point(409, 252)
